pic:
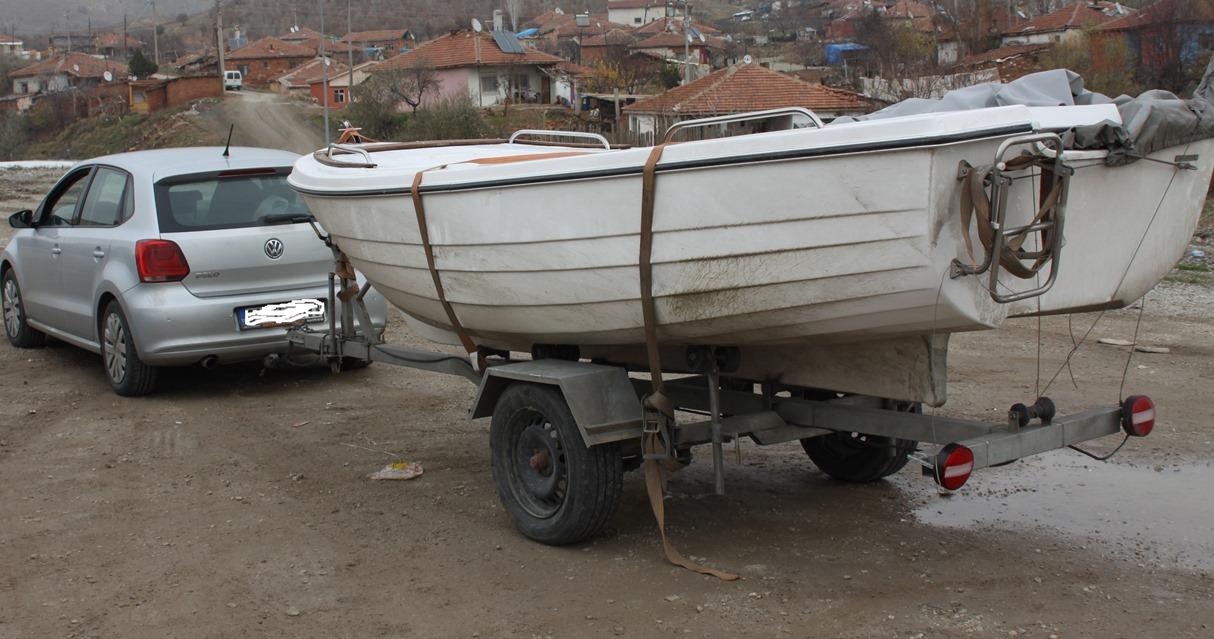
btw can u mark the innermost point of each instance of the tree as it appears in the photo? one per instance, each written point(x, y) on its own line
point(140, 66)
point(409, 84)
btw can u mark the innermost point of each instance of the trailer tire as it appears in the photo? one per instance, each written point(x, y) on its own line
point(557, 490)
point(854, 457)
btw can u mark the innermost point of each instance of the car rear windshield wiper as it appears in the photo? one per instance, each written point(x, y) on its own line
point(285, 218)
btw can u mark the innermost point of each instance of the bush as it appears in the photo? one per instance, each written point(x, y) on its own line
point(454, 117)
point(12, 135)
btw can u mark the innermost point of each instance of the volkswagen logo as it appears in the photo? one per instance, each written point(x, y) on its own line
point(274, 248)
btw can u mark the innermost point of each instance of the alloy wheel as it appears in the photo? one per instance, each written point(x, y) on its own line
point(115, 348)
point(12, 308)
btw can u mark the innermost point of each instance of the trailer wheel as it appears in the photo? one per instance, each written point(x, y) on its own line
point(860, 458)
point(557, 490)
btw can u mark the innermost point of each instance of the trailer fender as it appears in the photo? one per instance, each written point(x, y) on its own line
point(603, 401)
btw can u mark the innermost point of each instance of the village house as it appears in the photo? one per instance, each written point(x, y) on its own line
point(340, 93)
point(298, 81)
point(14, 47)
point(638, 12)
point(475, 64)
point(1064, 23)
point(264, 60)
point(67, 71)
point(318, 42)
point(1169, 33)
point(381, 43)
point(739, 89)
point(113, 45)
point(707, 50)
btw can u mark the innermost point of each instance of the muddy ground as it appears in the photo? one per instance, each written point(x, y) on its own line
point(235, 503)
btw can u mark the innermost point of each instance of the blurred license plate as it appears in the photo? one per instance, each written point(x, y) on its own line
point(291, 313)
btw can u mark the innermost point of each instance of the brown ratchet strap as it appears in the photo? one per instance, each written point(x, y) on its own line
point(975, 203)
point(657, 401)
point(422, 227)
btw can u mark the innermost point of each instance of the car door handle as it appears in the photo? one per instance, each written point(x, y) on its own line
point(55, 250)
point(98, 253)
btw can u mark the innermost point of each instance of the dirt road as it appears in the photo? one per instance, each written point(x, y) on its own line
point(267, 120)
point(235, 503)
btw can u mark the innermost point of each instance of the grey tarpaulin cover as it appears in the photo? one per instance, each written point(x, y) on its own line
point(1152, 121)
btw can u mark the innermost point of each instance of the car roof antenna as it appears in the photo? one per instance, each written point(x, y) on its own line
point(228, 144)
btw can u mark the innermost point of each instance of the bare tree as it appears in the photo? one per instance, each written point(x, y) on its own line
point(410, 83)
point(514, 9)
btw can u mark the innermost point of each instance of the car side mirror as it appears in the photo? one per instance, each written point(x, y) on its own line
point(23, 219)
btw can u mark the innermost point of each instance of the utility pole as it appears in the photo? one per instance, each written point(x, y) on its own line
point(126, 54)
point(155, 36)
point(219, 39)
point(687, 42)
point(68, 26)
point(349, 56)
point(324, 70)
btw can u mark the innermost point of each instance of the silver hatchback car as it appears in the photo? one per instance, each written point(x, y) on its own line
point(167, 258)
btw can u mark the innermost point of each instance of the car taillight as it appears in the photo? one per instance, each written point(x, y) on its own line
point(1138, 415)
point(160, 261)
point(954, 463)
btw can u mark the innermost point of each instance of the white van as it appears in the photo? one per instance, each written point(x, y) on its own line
point(232, 80)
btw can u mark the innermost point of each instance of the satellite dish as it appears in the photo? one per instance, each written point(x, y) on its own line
point(109, 77)
point(746, 59)
point(702, 38)
point(476, 25)
point(76, 68)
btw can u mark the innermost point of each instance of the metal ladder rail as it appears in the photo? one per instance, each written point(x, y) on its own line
point(1000, 184)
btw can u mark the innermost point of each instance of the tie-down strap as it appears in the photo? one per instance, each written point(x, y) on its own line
point(657, 403)
point(424, 230)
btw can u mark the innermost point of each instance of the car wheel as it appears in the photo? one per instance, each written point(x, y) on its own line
point(18, 331)
point(129, 376)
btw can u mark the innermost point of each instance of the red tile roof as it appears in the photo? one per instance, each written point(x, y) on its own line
point(676, 40)
point(463, 49)
point(75, 64)
point(1177, 11)
point(1001, 54)
point(376, 35)
point(1080, 15)
point(615, 37)
point(747, 87)
point(304, 33)
point(114, 41)
point(565, 26)
point(305, 73)
point(270, 47)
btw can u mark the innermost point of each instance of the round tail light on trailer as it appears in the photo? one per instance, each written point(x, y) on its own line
point(954, 463)
point(1138, 415)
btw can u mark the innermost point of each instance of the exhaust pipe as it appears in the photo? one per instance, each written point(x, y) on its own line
point(209, 362)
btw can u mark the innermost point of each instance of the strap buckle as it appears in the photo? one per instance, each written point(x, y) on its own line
point(657, 435)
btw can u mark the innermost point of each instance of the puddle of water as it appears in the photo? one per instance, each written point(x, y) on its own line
point(1164, 516)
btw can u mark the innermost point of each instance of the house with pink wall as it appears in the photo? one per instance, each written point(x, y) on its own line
point(474, 64)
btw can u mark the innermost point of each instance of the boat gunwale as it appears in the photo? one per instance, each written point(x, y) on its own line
point(686, 165)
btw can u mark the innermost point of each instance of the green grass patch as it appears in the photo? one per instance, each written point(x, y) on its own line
point(1193, 268)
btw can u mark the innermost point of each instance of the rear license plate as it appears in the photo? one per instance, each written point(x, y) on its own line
point(291, 313)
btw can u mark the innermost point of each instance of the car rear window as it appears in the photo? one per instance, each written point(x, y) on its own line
point(225, 202)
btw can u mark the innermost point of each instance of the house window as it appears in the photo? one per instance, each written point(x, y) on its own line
point(488, 84)
point(265, 64)
point(1205, 41)
point(339, 95)
point(636, 21)
point(23, 87)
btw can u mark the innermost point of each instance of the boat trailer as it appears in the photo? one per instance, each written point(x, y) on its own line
point(563, 429)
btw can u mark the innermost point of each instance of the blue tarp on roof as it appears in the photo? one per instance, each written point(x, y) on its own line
point(834, 52)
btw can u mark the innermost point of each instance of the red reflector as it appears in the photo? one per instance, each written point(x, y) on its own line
point(954, 463)
point(160, 261)
point(1138, 415)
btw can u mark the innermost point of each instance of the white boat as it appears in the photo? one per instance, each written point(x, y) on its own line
point(829, 255)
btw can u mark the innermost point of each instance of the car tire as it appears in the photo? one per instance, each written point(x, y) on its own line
point(128, 375)
point(16, 328)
